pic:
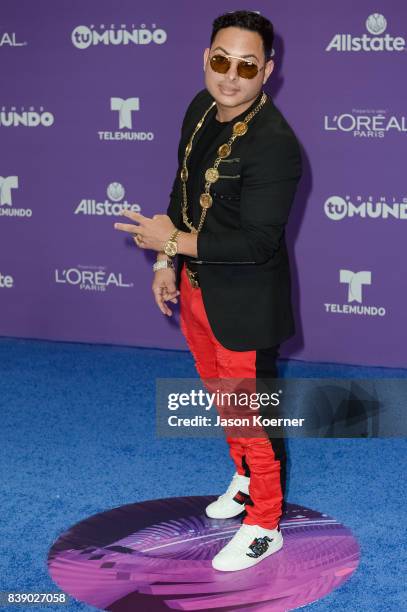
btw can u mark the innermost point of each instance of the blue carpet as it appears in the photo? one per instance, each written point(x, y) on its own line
point(77, 438)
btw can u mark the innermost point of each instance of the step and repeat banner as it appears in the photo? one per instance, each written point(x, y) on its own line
point(93, 93)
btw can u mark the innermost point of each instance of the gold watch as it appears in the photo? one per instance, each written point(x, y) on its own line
point(171, 246)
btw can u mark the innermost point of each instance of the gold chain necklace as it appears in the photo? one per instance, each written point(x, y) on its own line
point(212, 173)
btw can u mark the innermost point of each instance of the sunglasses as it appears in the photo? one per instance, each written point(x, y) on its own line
point(245, 68)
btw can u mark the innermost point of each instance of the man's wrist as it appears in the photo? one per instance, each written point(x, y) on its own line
point(163, 264)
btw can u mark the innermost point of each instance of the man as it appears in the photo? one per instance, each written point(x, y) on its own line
point(239, 165)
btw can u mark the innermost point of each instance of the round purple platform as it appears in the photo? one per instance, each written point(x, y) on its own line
point(156, 556)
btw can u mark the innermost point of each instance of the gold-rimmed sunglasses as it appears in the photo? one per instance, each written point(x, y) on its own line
point(245, 68)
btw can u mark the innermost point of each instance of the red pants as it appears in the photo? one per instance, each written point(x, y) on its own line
point(263, 459)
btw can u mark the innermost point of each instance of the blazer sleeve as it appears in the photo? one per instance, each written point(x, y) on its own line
point(269, 181)
point(174, 207)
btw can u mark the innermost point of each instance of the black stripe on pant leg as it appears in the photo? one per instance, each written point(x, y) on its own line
point(266, 362)
point(245, 467)
point(266, 368)
point(249, 501)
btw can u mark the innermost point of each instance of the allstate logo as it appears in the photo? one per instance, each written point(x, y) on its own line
point(114, 205)
point(6, 281)
point(376, 24)
point(115, 192)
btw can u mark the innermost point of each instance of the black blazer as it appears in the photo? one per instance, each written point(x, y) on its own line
point(243, 263)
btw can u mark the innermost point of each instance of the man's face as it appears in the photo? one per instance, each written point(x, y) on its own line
point(230, 89)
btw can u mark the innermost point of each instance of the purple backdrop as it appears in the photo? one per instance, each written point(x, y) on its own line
point(92, 101)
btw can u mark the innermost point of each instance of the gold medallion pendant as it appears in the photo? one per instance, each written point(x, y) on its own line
point(211, 175)
point(205, 200)
point(224, 150)
point(240, 128)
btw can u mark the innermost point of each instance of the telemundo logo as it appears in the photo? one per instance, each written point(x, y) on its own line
point(125, 107)
point(7, 185)
point(337, 208)
point(355, 282)
point(83, 37)
point(376, 25)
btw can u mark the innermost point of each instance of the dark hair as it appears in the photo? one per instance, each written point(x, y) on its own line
point(247, 20)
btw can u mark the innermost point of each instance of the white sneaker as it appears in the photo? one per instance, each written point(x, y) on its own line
point(232, 502)
point(250, 545)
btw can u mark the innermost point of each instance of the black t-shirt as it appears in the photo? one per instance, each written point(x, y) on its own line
point(211, 129)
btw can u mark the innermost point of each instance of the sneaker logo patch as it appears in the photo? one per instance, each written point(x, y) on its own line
point(259, 547)
point(241, 498)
